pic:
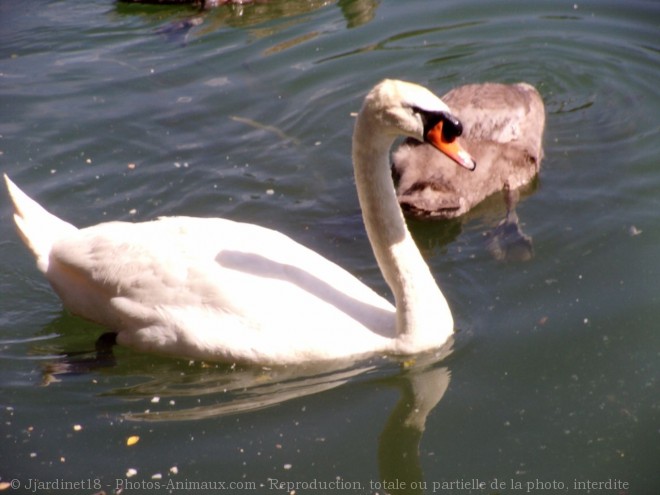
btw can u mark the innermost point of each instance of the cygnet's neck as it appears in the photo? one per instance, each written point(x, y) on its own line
point(423, 316)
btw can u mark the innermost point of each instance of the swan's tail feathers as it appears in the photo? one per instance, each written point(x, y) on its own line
point(38, 228)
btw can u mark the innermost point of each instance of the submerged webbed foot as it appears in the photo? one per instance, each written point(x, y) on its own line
point(507, 241)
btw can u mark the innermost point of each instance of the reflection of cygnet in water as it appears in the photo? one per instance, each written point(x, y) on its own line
point(398, 451)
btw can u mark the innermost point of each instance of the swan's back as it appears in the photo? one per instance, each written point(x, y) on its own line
point(502, 129)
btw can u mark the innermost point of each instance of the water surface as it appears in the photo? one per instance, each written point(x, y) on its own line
point(111, 114)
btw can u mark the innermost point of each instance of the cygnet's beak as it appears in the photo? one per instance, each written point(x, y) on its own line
point(449, 145)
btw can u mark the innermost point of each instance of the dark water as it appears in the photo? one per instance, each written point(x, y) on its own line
point(109, 112)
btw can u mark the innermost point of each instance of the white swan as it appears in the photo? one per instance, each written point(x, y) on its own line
point(214, 289)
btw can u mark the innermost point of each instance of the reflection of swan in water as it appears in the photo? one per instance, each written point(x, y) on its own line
point(190, 392)
point(234, 392)
point(398, 449)
point(421, 387)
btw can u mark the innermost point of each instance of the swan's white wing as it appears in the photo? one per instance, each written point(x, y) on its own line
point(213, 288)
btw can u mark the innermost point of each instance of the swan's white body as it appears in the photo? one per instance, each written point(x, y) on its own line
point(214, 289)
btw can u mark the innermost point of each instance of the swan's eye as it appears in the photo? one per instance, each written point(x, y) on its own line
point(452, 127)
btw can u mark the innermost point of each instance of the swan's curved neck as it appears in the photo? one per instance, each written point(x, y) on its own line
point(422, 311)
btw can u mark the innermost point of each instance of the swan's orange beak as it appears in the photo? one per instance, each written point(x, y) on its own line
point(451, 148)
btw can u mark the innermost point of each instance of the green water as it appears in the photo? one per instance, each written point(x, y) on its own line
point(552, 384)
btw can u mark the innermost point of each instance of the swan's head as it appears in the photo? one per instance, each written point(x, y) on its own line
point(407, 109)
